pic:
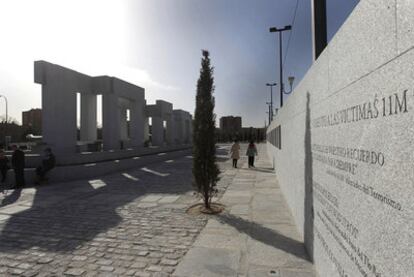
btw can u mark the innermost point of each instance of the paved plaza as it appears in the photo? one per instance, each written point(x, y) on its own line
point(134, 223)
point(255, 236)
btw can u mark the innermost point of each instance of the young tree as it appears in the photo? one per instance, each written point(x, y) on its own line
point(205, 169)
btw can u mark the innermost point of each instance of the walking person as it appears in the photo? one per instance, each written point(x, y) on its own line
point(235, 152)
point(251, 152)
point(4, 167)
point(48, 163)
point(18, 164)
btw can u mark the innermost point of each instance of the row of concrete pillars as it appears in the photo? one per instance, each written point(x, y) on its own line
point(125, 113)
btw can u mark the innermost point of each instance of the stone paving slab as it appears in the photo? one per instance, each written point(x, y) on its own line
point(151, 198)
point(257, 229)
point(169, 199)
point(220, 241)
point(209, 262)
point(240, 209)
point(124, 227)
point(14, 209)
point(4, 217)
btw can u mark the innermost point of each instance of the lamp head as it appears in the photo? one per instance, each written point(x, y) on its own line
point(272, 29)
point(291, 79)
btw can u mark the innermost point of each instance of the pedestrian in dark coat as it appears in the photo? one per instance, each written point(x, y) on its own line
point(48, 163)
point(251, 152)
point(18, 164)
point(4, 167)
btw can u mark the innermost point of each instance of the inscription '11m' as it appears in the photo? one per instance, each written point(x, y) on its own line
point(379, 107)
point(394, 104)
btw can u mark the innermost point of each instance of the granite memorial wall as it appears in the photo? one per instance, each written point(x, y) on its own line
point(343, 146)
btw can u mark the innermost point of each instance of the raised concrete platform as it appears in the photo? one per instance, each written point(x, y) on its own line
point(83, 166)
point(34, 159)
point(256, 236)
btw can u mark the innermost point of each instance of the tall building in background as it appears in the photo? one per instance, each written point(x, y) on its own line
point(231, 124)
point(231, 129)
point(32, 121)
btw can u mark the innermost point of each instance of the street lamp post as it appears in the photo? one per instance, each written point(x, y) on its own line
point(271, 85)
point(269, 112)
point(7, 118)
point(282, 91)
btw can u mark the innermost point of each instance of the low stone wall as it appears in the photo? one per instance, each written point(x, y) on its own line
point(34, 160)
point(343, 146)
point(99, 164)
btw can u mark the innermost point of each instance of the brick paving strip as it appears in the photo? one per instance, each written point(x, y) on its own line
point(122, 227)
point(256, 235)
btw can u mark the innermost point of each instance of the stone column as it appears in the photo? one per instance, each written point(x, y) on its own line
point(187, 131)
point(178, 128)
point(111, 125)
point(170, 130)
point(137, 124)
point(59, 129)
point(123, 126)
point(88, 127)
point(190, 140)
point(157, 131)
point(146, 129)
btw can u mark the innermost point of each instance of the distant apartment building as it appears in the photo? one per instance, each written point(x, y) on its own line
point(32, 121)
point(231, 124)
point(231, 129)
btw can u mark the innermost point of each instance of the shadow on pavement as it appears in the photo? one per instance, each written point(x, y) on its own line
point(64, 216)
point(11, 198)
point(265, 235)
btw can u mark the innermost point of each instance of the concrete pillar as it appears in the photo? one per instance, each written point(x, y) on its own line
point(157, 131)
point(178, 127)
point(137, 124)
point(146, 129)
point(187, 131)
point(170, 130)
point(190, 140)
point(123, 126)
point(88, 127)
point(175, 132)
point(111, 125)
point(59, 129)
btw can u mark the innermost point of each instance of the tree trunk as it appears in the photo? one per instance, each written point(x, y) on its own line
point(206, 198)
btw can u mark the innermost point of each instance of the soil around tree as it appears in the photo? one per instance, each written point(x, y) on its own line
point(199, 209)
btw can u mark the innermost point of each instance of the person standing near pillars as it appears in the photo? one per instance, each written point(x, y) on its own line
point(18, 166)
point(48, 163)
point(235, 152)
point(251, 152)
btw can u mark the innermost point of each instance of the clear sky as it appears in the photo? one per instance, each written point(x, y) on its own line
point(157, 44)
